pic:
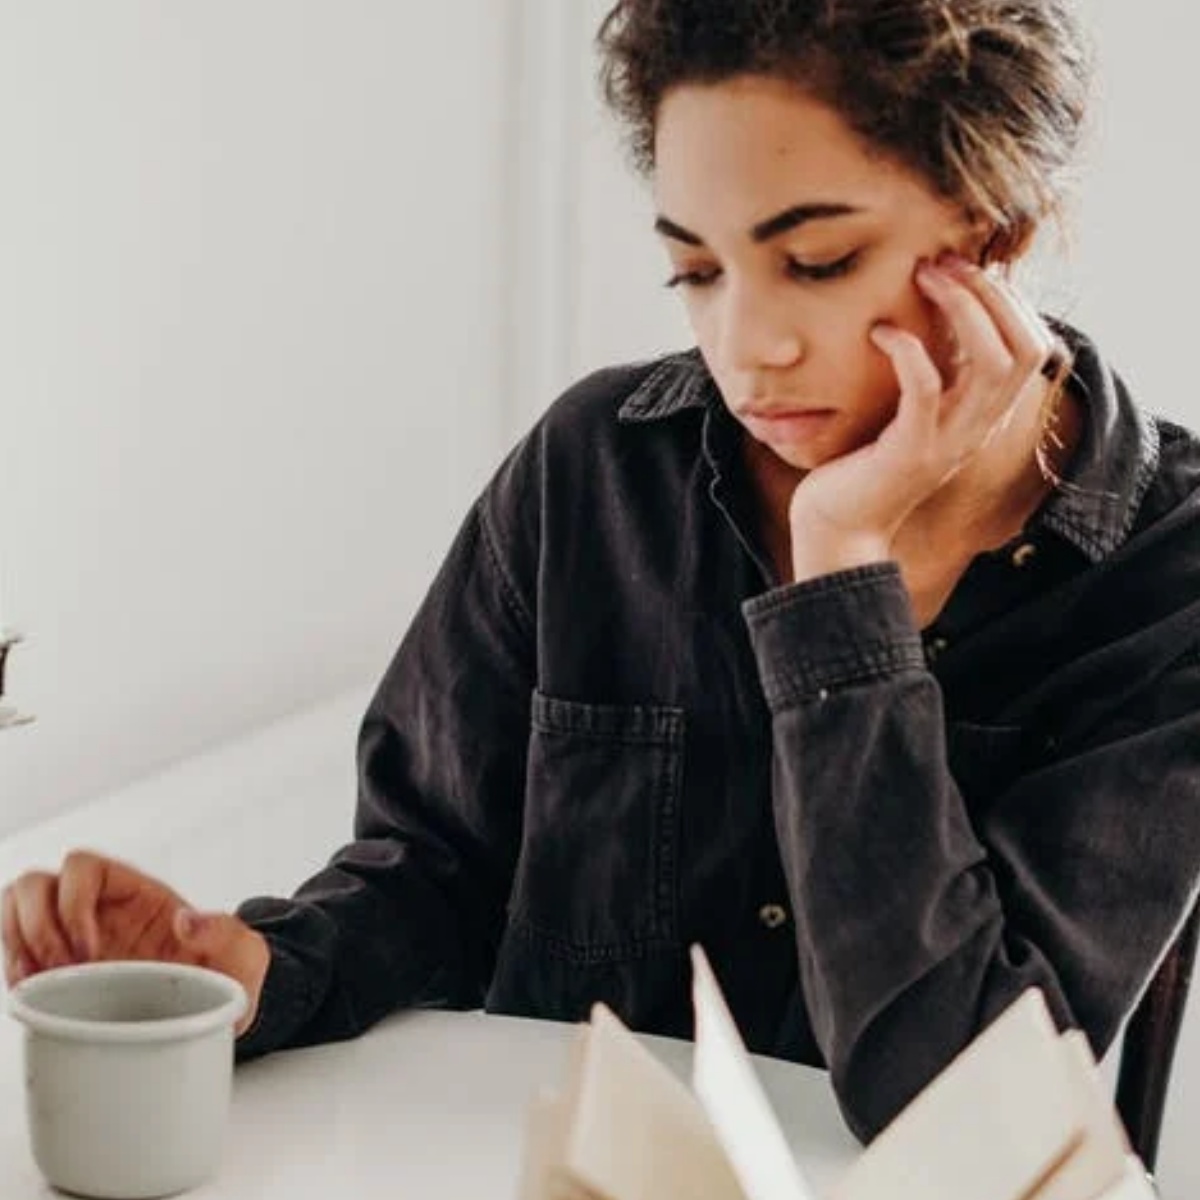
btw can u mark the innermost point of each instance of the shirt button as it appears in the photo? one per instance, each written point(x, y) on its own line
point(934, 648)
point(1024, 554)
point(773, 915)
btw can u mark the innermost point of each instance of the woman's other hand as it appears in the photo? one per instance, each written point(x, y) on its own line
point(97, 909)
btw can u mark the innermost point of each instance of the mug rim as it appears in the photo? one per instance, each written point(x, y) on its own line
point(22, 1005)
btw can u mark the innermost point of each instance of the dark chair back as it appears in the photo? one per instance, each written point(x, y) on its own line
point(1149, 1046)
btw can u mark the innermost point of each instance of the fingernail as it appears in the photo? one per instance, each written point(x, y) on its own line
point(190, 923)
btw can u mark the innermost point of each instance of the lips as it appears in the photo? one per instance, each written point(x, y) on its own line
point(787, 425)
point(784, 414)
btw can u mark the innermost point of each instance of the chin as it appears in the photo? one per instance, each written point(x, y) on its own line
point(806, 457)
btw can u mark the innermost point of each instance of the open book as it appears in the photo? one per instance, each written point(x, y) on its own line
point(1020, 1114)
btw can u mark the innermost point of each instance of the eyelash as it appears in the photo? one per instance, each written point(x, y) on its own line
point(801, 272)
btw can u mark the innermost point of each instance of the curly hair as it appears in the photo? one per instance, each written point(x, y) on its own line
point(985, 99)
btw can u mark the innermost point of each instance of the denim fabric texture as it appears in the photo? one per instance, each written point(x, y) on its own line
point(610, 733)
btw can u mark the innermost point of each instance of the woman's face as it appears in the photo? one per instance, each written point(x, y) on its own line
point(789, 241)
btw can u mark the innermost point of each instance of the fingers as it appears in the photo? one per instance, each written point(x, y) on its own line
point(1004, 343)
point(919, 379)
point(1023, 334)
point(983, 341)
point(209, 939)
point(82, 882)
point(33, 936)
point(94, 908)
point(1048, 341)
point(225, 943)
point(17, 959)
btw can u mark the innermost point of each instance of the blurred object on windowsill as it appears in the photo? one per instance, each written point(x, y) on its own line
point(10, 715)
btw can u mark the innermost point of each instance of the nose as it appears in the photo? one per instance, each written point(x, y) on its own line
point(756, 331)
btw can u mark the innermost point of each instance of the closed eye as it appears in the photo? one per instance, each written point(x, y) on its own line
point(821, 271)
point(796, 269)
point(693, 279)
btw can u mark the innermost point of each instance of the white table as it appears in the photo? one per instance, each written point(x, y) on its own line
point(426, 1105)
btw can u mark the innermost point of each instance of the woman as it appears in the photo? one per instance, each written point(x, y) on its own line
point(858, 645)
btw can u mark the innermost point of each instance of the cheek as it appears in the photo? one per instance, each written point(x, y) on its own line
point(907, 308)
point(704, 316)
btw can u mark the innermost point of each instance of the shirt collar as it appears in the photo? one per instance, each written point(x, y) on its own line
point(1114, 463)
point(1105, 481)
point(676, 383)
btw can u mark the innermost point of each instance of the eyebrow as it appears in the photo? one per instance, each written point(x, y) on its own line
point(764, 231)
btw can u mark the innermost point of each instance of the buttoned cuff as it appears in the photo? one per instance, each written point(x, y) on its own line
point(834, 631)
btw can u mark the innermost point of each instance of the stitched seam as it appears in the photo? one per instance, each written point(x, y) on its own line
point(665, 891)
point(679, 382)
point(666, 740)
point(587, 954)
point(863, 667)
point(856, 579)
point(509, 594)
point(662, 725)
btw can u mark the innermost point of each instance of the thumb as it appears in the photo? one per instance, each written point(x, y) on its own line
point(204, 934)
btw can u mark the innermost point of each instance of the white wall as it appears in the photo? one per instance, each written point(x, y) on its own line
point(250, 368)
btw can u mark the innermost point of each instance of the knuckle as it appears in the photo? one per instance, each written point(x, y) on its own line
point(28, 891)
point(1030, 358)
point(28, 882)
point(42, 883)
point(79, 861)
point(44, 941)
point(994, 377)
point(928, 463)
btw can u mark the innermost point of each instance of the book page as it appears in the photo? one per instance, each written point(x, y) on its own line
point(1133, 1185)
point(994, 1125)
point(724, 1079)
point(1099, 1163)
point(636, 1132)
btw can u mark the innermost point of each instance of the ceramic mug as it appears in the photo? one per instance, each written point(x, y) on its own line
point(128, 1075)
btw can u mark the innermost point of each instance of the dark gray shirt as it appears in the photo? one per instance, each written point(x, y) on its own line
point(608, 734)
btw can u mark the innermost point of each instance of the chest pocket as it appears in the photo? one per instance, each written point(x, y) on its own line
point(596, 877)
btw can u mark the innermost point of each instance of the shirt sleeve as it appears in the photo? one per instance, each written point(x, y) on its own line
point(410, 913)
point(919, 918)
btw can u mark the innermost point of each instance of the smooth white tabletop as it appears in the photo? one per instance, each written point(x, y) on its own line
point(428, 1104)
